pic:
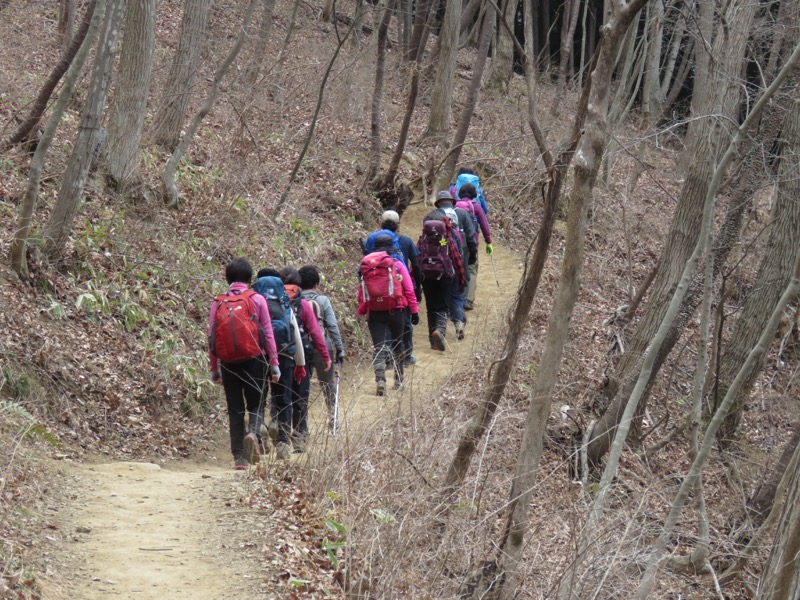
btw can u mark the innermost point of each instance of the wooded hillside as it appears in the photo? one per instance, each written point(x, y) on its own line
point(632, 431)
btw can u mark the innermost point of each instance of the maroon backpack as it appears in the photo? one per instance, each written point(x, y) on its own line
point(434, 255)
point(380, 282)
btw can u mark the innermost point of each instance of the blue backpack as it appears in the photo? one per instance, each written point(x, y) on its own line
point(280, 312)
point(369, 245)
point(465, 178)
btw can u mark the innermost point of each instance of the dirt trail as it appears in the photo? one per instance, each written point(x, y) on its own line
point(144, 531)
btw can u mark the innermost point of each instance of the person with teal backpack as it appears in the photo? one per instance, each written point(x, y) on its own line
point(469, 203)
point(466, 175)
point(296, 333)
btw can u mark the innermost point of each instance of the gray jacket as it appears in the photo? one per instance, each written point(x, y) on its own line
point(329, 325)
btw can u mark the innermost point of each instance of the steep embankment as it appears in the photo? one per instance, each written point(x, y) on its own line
point(197, 529)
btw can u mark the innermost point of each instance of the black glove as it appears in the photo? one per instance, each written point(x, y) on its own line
point(415, 319)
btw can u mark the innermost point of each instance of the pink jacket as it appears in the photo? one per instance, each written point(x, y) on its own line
point(311, 325)
point(263, 318)
point(409, 297)
point(472, 207)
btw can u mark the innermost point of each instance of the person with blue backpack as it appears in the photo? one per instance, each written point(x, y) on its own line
point(297, 335)
point(467, 201)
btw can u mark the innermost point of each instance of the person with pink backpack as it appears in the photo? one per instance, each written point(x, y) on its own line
point(386, 289)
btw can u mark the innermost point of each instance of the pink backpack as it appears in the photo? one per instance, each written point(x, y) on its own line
point(380, 282)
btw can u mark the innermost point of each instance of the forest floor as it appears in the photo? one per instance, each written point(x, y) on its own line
point(197, 529)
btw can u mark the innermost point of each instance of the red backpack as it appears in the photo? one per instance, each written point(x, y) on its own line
point(236, 332)
point(380, 282)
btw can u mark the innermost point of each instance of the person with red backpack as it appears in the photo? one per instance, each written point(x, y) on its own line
point(386, 289)
point(467, 201)
point(240, 344)
point(442, 272)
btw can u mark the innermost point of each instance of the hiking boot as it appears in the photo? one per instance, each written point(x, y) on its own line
point(460, 330)
point(410, 360)
point(380, 387)
point(299, 442)
point(282, 451)
point(241, 464)
point(437, 341)
point(251, 450)
point(270, 430)
point(469, 305)
point(398, 383)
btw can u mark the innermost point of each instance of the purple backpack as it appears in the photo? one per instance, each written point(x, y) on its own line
point(434, 258)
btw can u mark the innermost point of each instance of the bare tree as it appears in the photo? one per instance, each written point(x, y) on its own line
point(442, 93)
point(129, 105)
point(723, 98)
point(59, 225)
point(377, 93)
point(501, 68)
point(170, 190)
point(43, 97)
point(19, 245)
point(451, 160)
point(166, 128)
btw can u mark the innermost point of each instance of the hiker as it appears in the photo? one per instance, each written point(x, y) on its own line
point(469, 204)
point(464, 234)
point(239, 349)
point(385, 291)
point(464, 176)
point(323, 310)
point(442, 270)
point(390, 221)
point(297, 334)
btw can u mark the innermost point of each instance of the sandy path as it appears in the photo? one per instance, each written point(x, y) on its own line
point(137, 530)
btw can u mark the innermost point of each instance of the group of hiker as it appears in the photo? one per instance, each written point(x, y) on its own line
point(266, 340)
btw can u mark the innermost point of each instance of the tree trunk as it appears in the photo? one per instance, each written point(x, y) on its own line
point(170, 191)
point(66, 22)
point(569, 24)
point(446, 174)
point(59, 225)
point(167, 124)
point(442, 93)
point(43, 97)
point(19, 244)
point(723, 98)
point(383, 184)
point(762, 501)
point(772, 277)
point(501, 69)
point(651, 94)
point(129, 106)
point(781, 574)
point(260, 51)
point(377, 93)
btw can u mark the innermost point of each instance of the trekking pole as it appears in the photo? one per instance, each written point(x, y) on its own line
point(335, 425)
point(496, 280)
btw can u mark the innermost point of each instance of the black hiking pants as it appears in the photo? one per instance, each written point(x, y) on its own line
point(286, 401)
point(386, 329)
point(437, 302)
point(243, 383)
